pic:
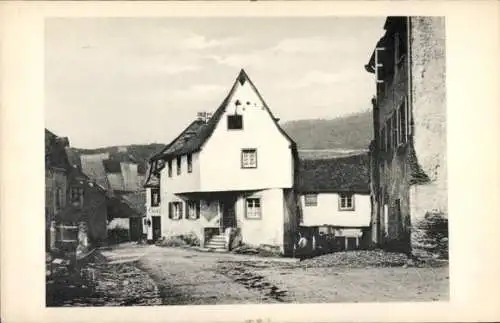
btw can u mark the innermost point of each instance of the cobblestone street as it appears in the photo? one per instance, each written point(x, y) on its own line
point(189, 277)
point(151, 275)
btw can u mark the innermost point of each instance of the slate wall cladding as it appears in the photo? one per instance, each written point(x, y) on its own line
point(429, 102)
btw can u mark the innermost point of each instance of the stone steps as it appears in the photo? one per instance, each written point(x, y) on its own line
point(217, 242)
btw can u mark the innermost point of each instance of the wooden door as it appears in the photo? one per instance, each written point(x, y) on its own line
point(156, 227)
point(228, 213)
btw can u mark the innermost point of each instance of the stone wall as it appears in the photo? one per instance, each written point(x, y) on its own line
point(429, 113)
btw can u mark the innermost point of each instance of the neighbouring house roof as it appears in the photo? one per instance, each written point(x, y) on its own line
point(93, 167)
point(198, 132)
point(55, 151)
point(390, 24)
point(136, 200)
point(119, 207)
point(328, 153)
point(112, 166)
point(344, 174)
point(152, 178)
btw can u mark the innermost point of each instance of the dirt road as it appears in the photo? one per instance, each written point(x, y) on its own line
point(191, 277)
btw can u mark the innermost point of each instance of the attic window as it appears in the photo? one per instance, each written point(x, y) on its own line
point(234, 122)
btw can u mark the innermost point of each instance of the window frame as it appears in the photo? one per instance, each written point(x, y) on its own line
point(76, 195)
point(155, 191)
point(189, 163)
point(178, 163)
point(253, 215)
point(175, 208)
point(308, 203)
point(189, 207)
point(346, 196)
point(248, 150)
point(228, 118)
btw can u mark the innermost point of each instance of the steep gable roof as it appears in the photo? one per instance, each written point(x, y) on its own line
point(345, 174)
point(93, 167)
point(199, 131)
point(55, 151)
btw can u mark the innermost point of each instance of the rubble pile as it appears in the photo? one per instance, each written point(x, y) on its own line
point(243, 274)
point(358, 259)
point(103, 284)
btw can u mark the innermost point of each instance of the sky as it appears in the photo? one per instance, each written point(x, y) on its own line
point(119, 81)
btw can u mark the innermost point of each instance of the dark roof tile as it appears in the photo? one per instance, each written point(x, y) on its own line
point(346, 174)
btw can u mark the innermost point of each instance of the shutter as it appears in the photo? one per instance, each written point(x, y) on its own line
point(197, 210)
point(170, 210)
point(181, 210)
point(187, 209)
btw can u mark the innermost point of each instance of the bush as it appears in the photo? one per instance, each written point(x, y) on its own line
point(174, 241)
point(189, 239)
point(435, 227)
point(118, 235)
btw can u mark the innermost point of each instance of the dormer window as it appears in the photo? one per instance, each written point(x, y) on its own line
point(235, 122)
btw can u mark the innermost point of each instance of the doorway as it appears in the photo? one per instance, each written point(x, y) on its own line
point(228, 216)
point(156, 227)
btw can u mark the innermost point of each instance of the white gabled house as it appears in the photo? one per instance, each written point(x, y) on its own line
point(230, 174)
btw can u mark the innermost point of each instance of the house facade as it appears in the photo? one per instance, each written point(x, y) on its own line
point(121, 178)
point(334, 195)
point(75, 206)
point(152, 221)
point(408, 153)
point(231, 174)
point(57, 167)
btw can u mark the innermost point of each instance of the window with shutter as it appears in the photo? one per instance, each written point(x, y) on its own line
point(179, 165)
point(169, 168)
point(193, 210)
point(155, 197)
point(175, 210)
point(190, 163)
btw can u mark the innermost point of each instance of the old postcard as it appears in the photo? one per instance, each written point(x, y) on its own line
point(245, 158)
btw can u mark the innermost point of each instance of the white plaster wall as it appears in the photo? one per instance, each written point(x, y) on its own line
point(220, 157)
point(269, 229)
point(327, 211)
point(184, 226)
point(123, 223)
point(150, 212)
point(185, 182)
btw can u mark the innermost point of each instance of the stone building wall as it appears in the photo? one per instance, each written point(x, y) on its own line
point(429, 111)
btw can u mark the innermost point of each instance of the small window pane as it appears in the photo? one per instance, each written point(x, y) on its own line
point(311, 200)
point(249, 158)
point(253, 210)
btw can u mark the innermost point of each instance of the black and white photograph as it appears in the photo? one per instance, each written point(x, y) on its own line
point(245, 160)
